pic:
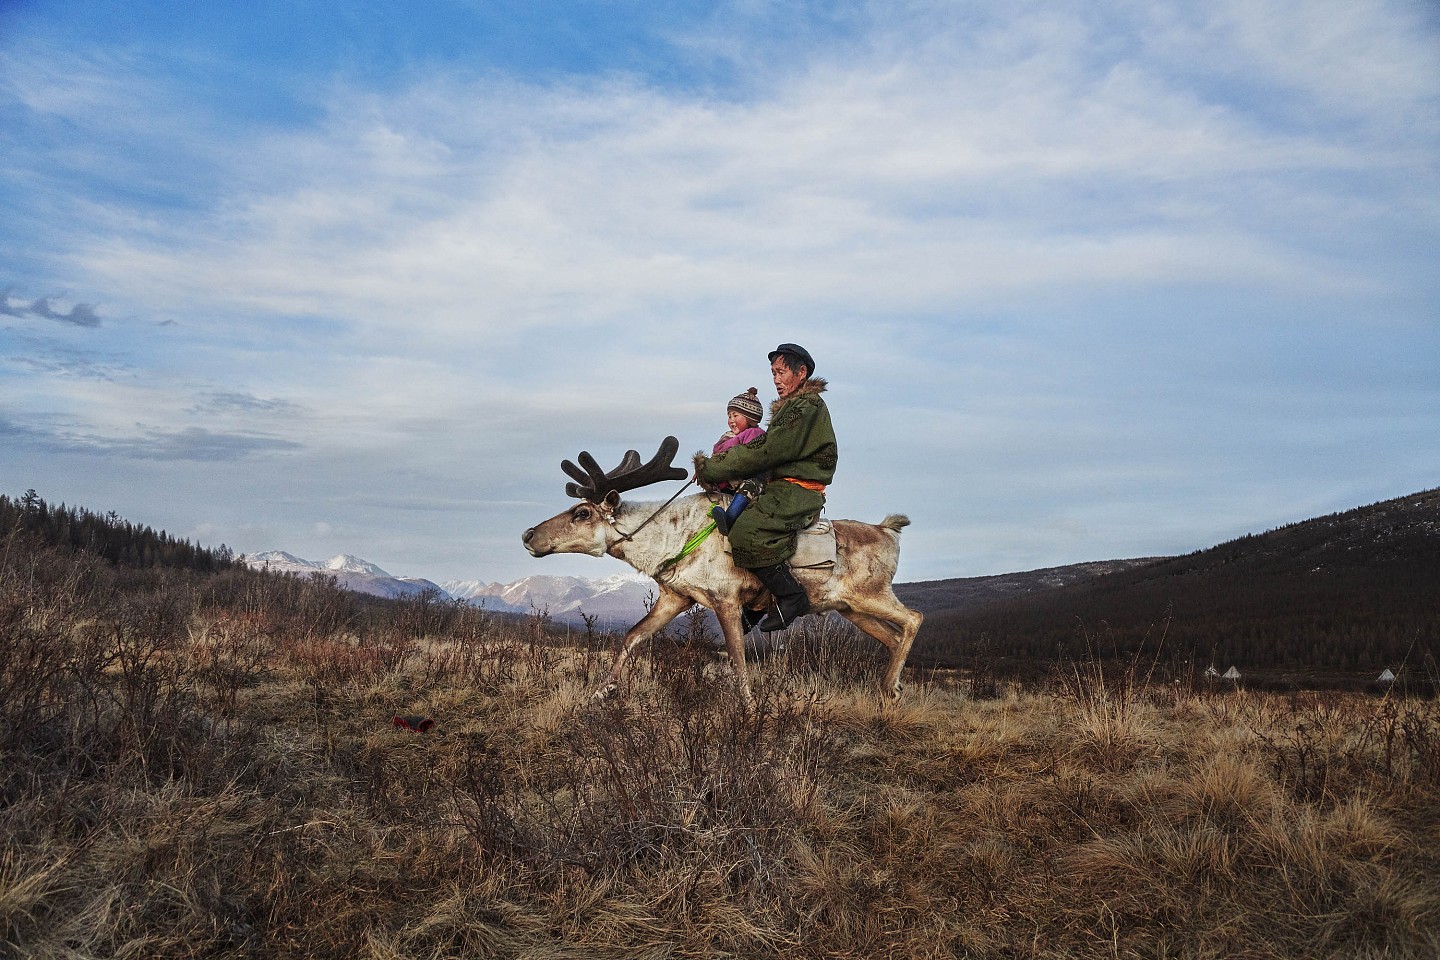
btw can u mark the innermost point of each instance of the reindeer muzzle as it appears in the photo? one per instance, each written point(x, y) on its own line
point(528, 536)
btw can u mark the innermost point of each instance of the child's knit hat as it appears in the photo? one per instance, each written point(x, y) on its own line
point(748, 403)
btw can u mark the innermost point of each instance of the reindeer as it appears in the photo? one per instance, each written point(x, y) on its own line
point(648, 535)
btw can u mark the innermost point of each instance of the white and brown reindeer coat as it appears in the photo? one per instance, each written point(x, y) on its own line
point(646, 535)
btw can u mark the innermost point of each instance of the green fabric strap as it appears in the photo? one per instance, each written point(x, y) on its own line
point(690, 545)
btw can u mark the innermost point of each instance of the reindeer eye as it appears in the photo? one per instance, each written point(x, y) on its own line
point(582, 514)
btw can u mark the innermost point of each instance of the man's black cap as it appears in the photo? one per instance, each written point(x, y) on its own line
point(798, 352)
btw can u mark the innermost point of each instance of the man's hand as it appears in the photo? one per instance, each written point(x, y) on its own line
point(700, 461)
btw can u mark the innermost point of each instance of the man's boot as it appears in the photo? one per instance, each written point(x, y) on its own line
point(791, 600)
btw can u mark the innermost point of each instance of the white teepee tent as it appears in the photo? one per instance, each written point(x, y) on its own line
point(1386, 677)
point(1232, 674)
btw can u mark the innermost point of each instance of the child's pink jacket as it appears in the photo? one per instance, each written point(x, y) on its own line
point(735, 439)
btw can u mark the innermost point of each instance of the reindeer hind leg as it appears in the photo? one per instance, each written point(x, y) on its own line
point(894, 625)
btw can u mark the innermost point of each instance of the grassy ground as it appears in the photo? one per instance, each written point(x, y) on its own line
point(193, 770)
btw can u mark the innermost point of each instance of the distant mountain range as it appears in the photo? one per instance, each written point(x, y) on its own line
point(616, 602)
point(352, 573)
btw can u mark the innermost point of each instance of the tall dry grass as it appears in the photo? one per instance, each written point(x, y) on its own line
point(208, 768)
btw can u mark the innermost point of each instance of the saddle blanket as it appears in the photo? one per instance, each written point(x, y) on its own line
point(814, 547)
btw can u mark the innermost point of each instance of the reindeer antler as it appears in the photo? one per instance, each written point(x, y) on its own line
point(593, 483)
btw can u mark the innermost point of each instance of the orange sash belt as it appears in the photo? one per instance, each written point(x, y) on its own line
point(807, 484)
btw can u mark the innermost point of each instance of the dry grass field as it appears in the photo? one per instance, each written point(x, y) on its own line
point(209, 768)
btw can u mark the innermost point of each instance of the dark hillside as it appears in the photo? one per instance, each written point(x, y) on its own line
point(1354, 590)
point(935, 596)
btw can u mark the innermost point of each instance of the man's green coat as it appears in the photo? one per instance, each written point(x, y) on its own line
point(799, 443)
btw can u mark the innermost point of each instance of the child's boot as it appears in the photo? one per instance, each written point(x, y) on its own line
point(725, 517)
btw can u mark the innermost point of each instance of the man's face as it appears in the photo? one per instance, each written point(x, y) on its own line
point(786, 380)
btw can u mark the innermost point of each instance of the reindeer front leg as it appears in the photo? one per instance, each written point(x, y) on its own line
point(667, 607)
point(729, 617)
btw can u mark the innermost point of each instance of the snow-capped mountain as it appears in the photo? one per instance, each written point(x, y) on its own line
point(352, 573)
point(617, 601)
point(345, 563)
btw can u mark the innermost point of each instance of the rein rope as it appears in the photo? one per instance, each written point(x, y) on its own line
point(695, 540)
point(628, 536)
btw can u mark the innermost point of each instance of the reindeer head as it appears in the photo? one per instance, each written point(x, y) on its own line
point(589, 526)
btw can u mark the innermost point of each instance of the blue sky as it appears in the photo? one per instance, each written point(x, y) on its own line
point(1123, 280)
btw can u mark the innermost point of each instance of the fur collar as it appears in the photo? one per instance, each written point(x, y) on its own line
point(815, 385)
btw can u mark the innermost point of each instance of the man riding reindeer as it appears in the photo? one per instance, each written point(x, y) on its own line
point(797, 456)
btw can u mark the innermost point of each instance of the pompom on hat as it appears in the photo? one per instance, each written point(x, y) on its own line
point(749, 404)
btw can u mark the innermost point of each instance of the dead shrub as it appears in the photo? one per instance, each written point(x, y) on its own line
point(208, 767)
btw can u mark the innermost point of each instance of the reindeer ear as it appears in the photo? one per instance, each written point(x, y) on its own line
point(612, 499)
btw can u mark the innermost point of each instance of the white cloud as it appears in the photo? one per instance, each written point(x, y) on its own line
point(466, 210)
point(1372, 63)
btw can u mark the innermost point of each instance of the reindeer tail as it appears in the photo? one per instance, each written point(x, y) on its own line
point(895, 522)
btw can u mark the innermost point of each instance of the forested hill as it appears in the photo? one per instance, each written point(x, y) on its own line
point(119, 541)
point(1355, 590)
point(934, 596)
